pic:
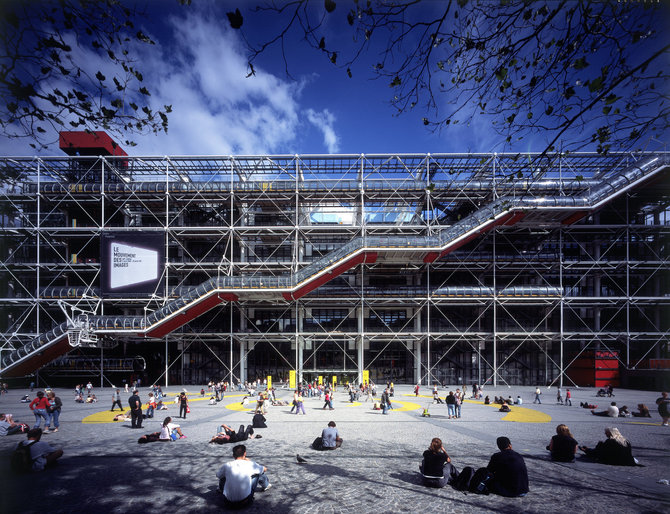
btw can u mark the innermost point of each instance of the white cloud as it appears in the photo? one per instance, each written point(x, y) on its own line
point(324, 121)
point(216, 109)
point(199, 67)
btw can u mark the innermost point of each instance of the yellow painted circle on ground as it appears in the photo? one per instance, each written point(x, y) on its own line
point(520, 414)
point(517, 414)
point(237, 406)
point(405, 406)
point(108, 416)
point(355, 404)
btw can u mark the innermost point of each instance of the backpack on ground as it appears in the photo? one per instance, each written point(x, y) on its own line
point(480, 481)
point(462, 482)
point(21, 460)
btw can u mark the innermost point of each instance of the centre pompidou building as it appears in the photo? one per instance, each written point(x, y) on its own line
point(417, 268)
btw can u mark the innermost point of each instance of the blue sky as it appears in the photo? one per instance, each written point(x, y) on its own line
point(199, 66)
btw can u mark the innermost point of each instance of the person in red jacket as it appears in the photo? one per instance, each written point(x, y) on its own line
point(39, 407)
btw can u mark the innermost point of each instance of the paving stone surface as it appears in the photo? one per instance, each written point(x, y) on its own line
point(376, 470)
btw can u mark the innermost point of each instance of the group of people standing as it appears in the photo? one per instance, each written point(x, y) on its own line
point(48, 408)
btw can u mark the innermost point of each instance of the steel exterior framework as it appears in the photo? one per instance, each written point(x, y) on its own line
point(518, 304)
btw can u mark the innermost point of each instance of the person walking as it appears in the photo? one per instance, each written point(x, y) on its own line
point(39, 406)
point(568, 398)
point(664, 408)
point(537, 395)
point(183, 405)
point(559, 396)
point(116, 400)
point(386, 402)
point(299, 404)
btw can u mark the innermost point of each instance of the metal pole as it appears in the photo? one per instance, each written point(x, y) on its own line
point(430, 371)
point(166, 361)
point(560, 282)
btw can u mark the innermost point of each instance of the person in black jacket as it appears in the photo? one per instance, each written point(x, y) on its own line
point(135, 410)
point(436, 465)
point(510, 476)
point(615, 450)
point(563, 445)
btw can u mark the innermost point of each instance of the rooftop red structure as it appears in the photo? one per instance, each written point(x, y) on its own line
point(88, 143)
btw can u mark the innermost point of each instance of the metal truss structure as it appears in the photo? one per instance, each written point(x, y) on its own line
point(478, 268)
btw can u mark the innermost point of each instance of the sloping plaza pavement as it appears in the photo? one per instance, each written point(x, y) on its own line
point(105, 470)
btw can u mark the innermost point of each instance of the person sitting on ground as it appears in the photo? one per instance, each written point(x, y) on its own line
point(436, 397)
point(612, 411)
point(504, 408)
point(519, 400)
point(615, 450)
point(563, 445)
point(8, 426)
point(642, 411)
point(227, 435)
point(436, 466)
point(586, 405)
point(212, 400)
point(330, 438)
point(487, 400)
point(239, 479)
point(624, 412)
point(259, 421)
point(42, 454)
point(510, 476)
point(170, 431)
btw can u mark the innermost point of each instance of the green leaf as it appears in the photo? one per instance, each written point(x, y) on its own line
point(569, 92)
point(100, 77)
point(501, 73)
point(425, 121)
point(395, 82)
point(607, 109)
point(580, 63)
point(596, 85)
point(117, 102)
point(549, 110)
point(529, 115)
point(333, 57)
point(133, 105)
point(322, 43)
point(349, 72)
point(610, 99)
point(146, 39)
point(145, 91)
point(329, 5)
point(510, 119)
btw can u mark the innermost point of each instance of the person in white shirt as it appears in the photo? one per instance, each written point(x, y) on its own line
point(168, 428)
point(612, 411)
point(239, 479)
